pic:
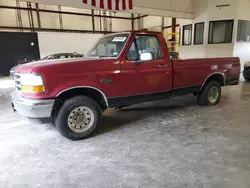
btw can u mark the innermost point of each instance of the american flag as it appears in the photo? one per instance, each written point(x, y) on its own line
point(111, 4)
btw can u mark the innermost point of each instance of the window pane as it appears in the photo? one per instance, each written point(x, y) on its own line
point(107, 49)
point(243, 31)
point(146, 43)
point(132, 53)
point(187, 35)
point(109, 46)
point(199, 33)
point(220, 31)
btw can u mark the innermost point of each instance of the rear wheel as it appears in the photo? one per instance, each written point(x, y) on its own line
point(78, 118)
point(210, 94)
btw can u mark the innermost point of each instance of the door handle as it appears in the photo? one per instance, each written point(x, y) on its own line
point(163, 66)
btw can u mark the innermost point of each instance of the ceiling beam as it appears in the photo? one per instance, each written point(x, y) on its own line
point(55, 30)
point(65, 12)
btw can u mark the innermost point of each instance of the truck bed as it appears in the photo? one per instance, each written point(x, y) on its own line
point(194, 72)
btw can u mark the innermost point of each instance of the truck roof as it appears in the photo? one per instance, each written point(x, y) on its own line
point(146, 31)
point(137, 31)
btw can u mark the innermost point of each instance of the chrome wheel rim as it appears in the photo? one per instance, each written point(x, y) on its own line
point(81, 119)
point(213, 94)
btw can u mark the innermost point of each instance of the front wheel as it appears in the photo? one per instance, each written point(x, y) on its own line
point(210, 94)
point(78, 118)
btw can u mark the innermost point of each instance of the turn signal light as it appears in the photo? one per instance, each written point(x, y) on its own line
point(33, 89)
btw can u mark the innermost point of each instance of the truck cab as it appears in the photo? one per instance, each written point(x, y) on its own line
point(121, 69)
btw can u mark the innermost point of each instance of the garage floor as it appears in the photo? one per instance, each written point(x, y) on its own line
point(171, 143)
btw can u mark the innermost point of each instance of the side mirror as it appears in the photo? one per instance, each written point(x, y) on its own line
point(146, 56)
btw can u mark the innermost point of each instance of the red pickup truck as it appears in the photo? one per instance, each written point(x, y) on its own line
point(122, 69)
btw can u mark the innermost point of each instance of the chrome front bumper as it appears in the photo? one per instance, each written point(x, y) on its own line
point(31, 108)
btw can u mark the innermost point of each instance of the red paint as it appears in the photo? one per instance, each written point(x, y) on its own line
point(130, 4)
point(109, 4)
point(123, 4)
point(116, 4)
point(128, 78)
point(101, 4)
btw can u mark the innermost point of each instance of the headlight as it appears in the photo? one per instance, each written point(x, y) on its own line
point(32, 83)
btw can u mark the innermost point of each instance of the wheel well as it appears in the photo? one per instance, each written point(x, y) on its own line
point(216, 77)
point(89, 92)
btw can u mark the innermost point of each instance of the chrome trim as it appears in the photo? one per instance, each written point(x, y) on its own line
point(17, 79)
point(212, 75)
point(32, 108)
point(90, 87)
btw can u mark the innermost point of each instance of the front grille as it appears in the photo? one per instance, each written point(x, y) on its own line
point(16, 77)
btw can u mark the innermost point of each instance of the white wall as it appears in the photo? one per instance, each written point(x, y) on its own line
point(229, 12)
point(207, 11)
point(9, 20)
point(52, 42)
point(152, 21)
point(187, 52)
point(242, 49)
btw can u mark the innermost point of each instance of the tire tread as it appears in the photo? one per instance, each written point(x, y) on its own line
point(62, 116)
point(202, 98)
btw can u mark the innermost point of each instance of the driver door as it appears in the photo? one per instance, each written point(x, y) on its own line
point(152, 76)
point(156, 73)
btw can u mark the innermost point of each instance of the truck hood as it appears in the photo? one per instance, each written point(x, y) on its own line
point(29, 67)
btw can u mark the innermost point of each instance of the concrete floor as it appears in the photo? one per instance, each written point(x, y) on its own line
point(171, 143)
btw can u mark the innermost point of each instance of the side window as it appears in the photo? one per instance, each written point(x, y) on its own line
point(187, 35)
point(132, 53)
point(149, 43)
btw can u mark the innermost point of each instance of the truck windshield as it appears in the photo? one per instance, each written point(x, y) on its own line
point(109, 46)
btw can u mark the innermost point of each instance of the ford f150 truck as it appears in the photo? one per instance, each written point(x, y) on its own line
point(121, 69)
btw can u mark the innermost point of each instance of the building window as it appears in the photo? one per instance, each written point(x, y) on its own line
point(243, 34)
point(187, 35)
point(199, 33)
point(220, 31)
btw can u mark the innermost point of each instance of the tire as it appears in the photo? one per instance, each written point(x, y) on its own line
point(204, 96)
point(78, 118)
point(247, 78)
point(246, 75)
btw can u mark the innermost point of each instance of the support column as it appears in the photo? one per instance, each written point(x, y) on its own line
point(173, 32)
point(93, 20)
point(38, 16)
point(162, 24)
